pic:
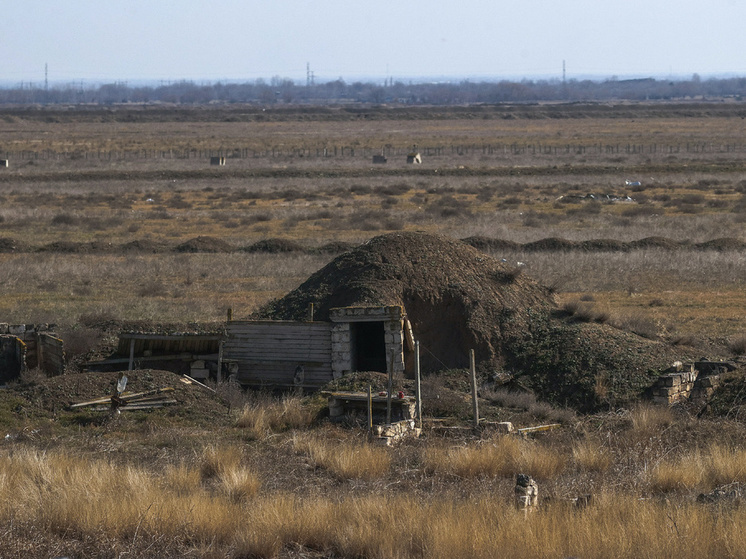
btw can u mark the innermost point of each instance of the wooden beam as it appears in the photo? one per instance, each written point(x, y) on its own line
point(474, 400)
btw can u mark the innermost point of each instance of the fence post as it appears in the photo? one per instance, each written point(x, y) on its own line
point(475, 403)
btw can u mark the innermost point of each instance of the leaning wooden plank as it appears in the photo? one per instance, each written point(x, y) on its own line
point(134, 407)
point(125, 396)
point(129, 396)
point(539, 428)
point(195, 381)
point(103, 400)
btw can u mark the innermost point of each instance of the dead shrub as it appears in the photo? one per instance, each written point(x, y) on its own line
point(238, 484)
point(637, 323)
point(591, 456)
point(80, 341)
point(65, 219)
point(737, 344)
point(438, 400)
point(270, 416)
point(649, 419)
point(215, 461)
point(153, 288)
point(31, 377)
point(345, 460)
point(396, 189)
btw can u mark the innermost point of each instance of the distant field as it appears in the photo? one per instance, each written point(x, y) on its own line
point(520, 174)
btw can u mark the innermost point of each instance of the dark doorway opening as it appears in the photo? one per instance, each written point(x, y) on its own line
point(11, 358)
point(368, 347)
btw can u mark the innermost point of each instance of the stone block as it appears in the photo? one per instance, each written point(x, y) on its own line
point(672, 380)
point(199, 374)
point(3, 327)
point(17, 329)
point(499, 426)
point(199, 364)
point(341, 336)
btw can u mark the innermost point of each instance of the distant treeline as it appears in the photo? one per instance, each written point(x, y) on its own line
point(285, 91)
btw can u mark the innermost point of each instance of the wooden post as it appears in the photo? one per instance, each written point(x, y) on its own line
point(39, 353)
point(219, 376)
point(390, 389)
point(370, 409)
point(230, 314)
point(132, 355)
point(310, 312)
point(475, 404)
point(418, 387)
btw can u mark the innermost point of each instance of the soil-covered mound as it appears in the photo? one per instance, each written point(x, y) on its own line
point(656, 242)
point(722, 244)
point(275, 246)
point(11, 245)
point(144, 246)
point(603, 245)
point(53, 396)
point(456, 297)
point(205, 244)
point(77, 247)
point(551, 243)
point(486, 243)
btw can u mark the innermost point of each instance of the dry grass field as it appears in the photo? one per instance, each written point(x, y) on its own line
point(115, 214)
point(109, 177)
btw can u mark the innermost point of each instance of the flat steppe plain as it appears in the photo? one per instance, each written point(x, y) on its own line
point(114, 213)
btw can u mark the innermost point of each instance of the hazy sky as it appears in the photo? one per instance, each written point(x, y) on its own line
point(96, 40)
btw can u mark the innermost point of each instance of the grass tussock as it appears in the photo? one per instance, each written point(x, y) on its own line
point(648, 419)
point(590, 456)
point(701, 470)
point(503, 456)
point(265, 416)
point(344, 460)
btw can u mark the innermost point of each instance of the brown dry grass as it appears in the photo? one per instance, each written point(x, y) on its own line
point(502, 457)
point(344, 459)
point(77, 505)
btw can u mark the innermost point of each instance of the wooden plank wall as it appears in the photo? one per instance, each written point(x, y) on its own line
point(196, 346)
point(53, 354)
point(268, 353)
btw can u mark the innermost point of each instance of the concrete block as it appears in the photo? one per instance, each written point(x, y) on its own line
point(17, 329)
point(3, 327)
point(199, 374)
point(341, 337)
point(199, 364)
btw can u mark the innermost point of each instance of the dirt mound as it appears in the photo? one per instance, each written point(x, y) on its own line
point(455, 297)
point(458, 299)
point(486, 243)
point(603, 245)
point(54, 396)
point(275, 246)
point(204, 244)
point(551, 243)
point(77, 248)
point(144, 246)
point(722, 244)
point(656, 242)
point(334, 247)
point(8, 245)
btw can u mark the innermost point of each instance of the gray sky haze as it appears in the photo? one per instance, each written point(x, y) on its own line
point(154, 40)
